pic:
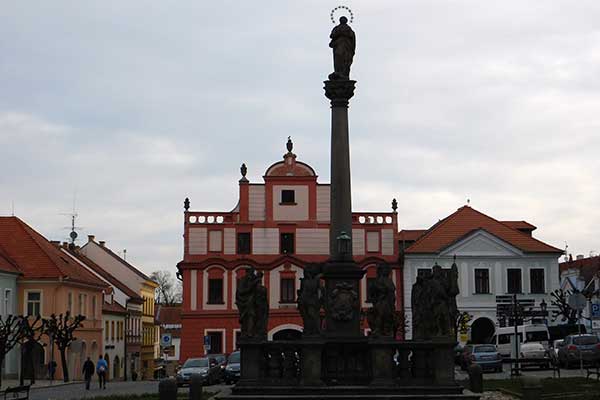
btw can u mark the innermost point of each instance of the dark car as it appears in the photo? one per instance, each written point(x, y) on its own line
point(484, 355)
point(207, 367)
point(576, 347)
point(232, 369)
point(222, 361)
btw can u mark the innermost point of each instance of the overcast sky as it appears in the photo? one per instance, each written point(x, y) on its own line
point(131, 106)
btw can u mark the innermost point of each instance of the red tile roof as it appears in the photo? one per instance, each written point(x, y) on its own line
point(37, 258)
point(105, 274)
point(7, 264)
point(588, 267)
point(411, 234)
point(467, 220)
point(122, 261)
point(113, 308)
point(520, 225)
point(168, 315)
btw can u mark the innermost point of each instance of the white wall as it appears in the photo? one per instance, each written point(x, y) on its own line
point(476, 252)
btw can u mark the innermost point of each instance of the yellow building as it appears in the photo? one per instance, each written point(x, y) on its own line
point(149, 332)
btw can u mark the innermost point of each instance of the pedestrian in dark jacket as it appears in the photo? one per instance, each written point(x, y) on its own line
point(88, 372)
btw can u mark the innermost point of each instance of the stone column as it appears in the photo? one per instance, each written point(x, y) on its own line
point(340, 92)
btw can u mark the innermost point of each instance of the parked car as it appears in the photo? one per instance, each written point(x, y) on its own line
point(484, 355)
point(576, 347)
point(207, 367)
point(222, 361)
point(232, 369)
point(535, 354)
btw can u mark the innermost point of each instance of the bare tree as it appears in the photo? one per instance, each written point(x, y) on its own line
point(11, 333)
point(60, 330)
point(169, 289)
point(32, 330)
point(564, 311)
point(461, 324)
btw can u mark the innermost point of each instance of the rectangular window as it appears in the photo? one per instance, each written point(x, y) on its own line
point(288, 290)
point(8, 302)
point(513, 280)
point(537, 280)
point(215, 291)
point(243, 243)
point(94, 307)
point(34, 303)
point(112, 330)
point(482, 281)
point(216, 342)
point(215, 241)
point(288, 197)
point(372, 241)
point(370, 283)
point(80, 304)
point(106, 328)
point(70, 303)
point(287, 243)
point(84, 308)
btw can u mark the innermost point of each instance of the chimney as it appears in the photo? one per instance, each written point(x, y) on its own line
point(579, 257)
point(91, 238)
point(65, 245)
point(55, 243)
point(102, 243)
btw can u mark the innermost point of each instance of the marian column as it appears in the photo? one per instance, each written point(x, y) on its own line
point(341, 274)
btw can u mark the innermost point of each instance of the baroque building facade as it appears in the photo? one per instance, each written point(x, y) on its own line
point(277, 227)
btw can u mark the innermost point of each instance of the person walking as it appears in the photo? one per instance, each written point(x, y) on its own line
point(101, 368)
point(88, 372)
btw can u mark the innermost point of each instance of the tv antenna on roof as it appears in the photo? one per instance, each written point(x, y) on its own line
point(73, 234)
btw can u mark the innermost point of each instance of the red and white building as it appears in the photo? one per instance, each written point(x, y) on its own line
point(277, 227)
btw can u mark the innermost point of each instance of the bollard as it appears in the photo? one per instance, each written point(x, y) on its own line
point(196, 387)
point(532, 387)
point(167, 389)
point(475, 378)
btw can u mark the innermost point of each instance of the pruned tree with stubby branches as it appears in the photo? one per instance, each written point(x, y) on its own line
point(60, 329)
point(11, 333)
point(560, 300)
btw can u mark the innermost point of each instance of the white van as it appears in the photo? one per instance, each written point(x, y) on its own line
point(535, 333)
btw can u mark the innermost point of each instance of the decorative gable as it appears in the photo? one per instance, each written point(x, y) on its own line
point(481, 244)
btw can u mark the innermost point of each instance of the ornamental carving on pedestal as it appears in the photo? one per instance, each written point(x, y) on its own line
point(343, 302)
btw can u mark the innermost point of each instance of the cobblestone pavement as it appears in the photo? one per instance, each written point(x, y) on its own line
point(77, 391)
point(496, 396)
point(539, 373)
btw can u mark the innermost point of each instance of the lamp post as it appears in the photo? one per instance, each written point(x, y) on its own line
point(344, 246)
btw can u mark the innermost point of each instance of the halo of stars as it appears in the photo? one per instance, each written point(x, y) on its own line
point(331, 14)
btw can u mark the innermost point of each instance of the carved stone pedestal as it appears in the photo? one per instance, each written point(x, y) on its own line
point(312, 348)
point(383, 366)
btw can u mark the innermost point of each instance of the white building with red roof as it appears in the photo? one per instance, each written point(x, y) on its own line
point(495, 260)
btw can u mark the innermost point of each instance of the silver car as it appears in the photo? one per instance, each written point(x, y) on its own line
point(207, 367)
point(576, 347)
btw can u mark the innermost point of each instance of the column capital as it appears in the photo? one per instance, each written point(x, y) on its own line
point(339, 91)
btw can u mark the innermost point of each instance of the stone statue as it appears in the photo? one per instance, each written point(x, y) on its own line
point(433, 303)
point(343, 43)
point(310, 299)
point(382, 316)
point(252, 303)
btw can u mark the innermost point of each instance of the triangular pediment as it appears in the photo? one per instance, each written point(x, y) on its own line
point(481, 243)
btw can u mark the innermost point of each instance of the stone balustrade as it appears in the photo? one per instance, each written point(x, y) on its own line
point(211, 218)
point(374, 218)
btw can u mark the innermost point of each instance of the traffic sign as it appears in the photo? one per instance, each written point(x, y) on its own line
point(166, 340)
point(596, 310)
point(206, 343)
point(577, 301)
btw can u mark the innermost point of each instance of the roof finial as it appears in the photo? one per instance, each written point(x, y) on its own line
point(289, 144)
point(244, 171)
point(468, 202)
point(186, 204)
point(394, 205)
